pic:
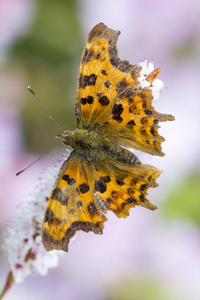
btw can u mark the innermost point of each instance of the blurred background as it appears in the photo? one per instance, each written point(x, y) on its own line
point(149, 255)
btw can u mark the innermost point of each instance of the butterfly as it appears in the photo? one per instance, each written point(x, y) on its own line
point(114, 113)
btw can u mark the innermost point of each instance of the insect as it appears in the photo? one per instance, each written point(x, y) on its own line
point(113, 113)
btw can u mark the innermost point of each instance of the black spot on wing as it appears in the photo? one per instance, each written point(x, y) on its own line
point(153, 130)
point(105, 179)
point(100, 186)
point(143, 187)
point(132, 122)
point(142, 198)
point(118, 119)
point(84, 188)
point(103, 72)
point(83, 101)
point(69, 180)
point(117, 111)
point(85, 80)
point(107, 83)
point(88, 100)
point(131, 200)
point(104, 101)
point(120, 182)
point(58, 195)
point(148, 112)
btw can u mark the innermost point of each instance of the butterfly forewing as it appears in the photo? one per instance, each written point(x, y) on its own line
point(100, 71)
point(110, 98)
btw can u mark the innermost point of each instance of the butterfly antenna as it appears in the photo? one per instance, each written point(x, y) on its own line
point(20, 172)
point(51, 117)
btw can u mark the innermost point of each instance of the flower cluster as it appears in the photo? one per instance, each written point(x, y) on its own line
point(157, 84)
point(22, 239)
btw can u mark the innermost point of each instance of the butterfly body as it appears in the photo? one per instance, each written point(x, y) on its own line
point(90, 144)
point(114, 112)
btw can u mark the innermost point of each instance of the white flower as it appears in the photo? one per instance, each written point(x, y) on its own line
point(22, 240)
point(156, 85)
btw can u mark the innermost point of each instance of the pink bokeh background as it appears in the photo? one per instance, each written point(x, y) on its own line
point(146, 244)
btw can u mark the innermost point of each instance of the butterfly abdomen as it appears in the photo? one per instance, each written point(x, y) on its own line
point(115, 152)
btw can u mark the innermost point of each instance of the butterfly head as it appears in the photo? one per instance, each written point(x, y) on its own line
point(65, 137)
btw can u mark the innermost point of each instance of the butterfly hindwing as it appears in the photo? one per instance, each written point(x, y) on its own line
point(71, 206)
point(121, 186)
point(84, 192)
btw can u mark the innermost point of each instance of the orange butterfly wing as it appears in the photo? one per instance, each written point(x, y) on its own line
point(100, 70)
point(110, 98)
point(71, 207)
point(121, 186)
point(84, 192)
